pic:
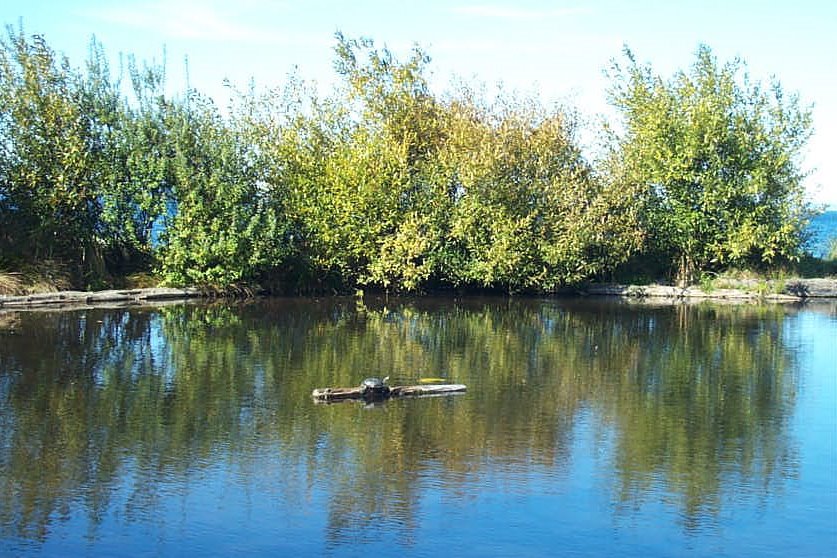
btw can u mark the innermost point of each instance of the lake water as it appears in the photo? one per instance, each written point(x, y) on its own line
point(589, 428)
point(823, 231)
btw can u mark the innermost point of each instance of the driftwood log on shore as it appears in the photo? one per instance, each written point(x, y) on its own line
point(343, 394)
point(84, 298)
point(791, 290)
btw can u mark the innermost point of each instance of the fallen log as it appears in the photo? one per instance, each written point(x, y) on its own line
point(342, 394)
point(83, 299)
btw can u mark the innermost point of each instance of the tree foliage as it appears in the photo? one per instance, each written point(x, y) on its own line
point(226, 228)
point(400, 189)
point(715, 161)
point(56, 132)
point(385, 183)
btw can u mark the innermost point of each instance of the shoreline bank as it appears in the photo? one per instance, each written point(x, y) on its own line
point(790, 291)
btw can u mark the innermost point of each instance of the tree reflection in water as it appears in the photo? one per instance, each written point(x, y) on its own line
point(121, 411)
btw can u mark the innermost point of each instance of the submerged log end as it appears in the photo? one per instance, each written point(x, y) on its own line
point(437, 389)
point(336, 394)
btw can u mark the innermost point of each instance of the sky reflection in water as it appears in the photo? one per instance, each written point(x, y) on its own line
point(589, 427)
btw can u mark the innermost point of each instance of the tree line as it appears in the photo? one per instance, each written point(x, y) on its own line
point(384, 183)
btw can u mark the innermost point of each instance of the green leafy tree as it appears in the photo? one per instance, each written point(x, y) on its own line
point(49, 206)
point(359, 169)
point(714, 162)
point(227, 230)
point(66, 191)
point(398, 188)
point(530, 214)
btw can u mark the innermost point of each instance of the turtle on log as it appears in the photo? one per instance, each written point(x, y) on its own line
point(375, 388)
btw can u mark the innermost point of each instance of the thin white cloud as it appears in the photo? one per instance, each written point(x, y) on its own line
point(177, 20)
point(202, 20)
point(499, 11)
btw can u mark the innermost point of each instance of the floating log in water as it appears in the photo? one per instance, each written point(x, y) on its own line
point(342, 394)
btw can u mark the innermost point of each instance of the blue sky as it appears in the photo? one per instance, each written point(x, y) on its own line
point(557, 49)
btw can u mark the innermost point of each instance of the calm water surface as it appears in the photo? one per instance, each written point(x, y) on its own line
point(823, 231)
point(589, 428)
